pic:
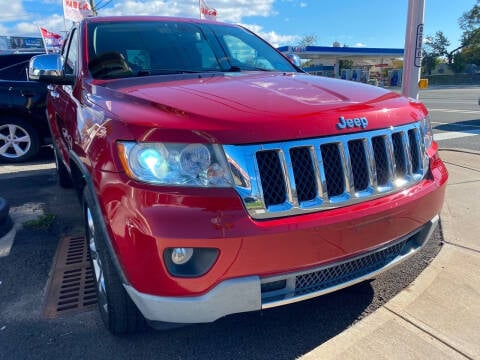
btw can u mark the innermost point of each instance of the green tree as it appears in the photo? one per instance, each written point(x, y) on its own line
point(307, 40)
point(436, 46)
point(470, 22)
point(469, 49)
point(429, 62)
point(458, 63)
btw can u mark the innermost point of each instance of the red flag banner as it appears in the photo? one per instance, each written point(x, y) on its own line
point(51, 39)
point(207, 12)
point(76, 10)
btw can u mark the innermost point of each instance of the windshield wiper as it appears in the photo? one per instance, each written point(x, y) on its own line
point(234, 69)
point(247, 68)
point(174, 71)
point(143, 73)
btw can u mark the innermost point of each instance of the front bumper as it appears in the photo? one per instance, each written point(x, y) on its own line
point(254, 293)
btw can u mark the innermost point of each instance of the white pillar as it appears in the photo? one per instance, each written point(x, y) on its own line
point(412, 57)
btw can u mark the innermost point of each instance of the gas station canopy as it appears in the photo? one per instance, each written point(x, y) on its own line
point(326, 58)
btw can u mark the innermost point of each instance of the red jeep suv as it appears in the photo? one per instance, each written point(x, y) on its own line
point(216, 177)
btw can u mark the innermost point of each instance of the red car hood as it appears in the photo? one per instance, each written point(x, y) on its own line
point(249, 107)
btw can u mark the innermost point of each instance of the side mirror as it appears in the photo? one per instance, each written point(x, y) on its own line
point(294, 59)
point(48, 68)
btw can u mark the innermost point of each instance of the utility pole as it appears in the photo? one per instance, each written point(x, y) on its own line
point(412, 57)
point(92, 6)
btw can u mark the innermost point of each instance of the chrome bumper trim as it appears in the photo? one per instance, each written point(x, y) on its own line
point(423, 233)
point(229, 297)
point(244, 294)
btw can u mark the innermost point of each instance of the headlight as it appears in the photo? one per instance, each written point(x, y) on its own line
point(426, 131)
point(175, 164)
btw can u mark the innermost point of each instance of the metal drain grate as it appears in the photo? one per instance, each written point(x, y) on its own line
point(71, 287)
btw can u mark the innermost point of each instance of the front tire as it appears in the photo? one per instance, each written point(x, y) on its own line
point(18, 140)
point(118, 312)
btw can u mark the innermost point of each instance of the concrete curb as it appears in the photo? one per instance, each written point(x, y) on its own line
point(12, 171)
point(473, 152)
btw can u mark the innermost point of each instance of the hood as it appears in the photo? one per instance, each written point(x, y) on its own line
point(247, 107)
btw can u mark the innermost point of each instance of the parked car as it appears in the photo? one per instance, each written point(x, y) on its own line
point(23, 123)
point(216, 177)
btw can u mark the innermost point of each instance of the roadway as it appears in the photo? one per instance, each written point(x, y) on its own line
point(455, 115)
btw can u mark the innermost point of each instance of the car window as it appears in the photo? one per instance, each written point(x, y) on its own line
point(244, 54)
point(71, 60)
point(148, 48)
point(125, 49)
point(248, 52)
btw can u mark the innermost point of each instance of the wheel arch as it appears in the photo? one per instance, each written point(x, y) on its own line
point(81, 180)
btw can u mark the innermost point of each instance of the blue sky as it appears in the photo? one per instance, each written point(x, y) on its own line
point(367, 23)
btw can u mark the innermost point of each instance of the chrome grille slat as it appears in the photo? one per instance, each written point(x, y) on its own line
point(301, 176)
point(347, 169)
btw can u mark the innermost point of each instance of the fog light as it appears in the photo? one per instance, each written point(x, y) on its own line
point(189, 262)
point(181, 256)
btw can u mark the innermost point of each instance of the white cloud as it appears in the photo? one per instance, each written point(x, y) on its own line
point(12, 11)
point(155, 7)
point(359, 44)
point(54, 23)
point(272, 37)
point(235, 10)
point(228, 10)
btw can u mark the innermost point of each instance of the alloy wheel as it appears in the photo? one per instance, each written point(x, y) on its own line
point(97, 264)
point(14, 141)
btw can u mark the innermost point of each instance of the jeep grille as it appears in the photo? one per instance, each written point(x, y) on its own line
point(300, 176)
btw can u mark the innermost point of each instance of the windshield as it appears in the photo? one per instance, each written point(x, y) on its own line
point(126, 49)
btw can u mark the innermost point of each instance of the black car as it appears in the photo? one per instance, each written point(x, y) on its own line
point(23, 123)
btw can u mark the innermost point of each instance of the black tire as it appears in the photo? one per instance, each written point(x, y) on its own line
point(63, 176)
point(18, 140)
point(5, 226)
point(118, 312)
point(6, 223)
point(4, 208)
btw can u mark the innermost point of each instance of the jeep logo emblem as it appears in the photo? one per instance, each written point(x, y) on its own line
point(350, 123)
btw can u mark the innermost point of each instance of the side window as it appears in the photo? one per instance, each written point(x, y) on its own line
point(209, 61)
point(239, 50)
point(71, 58)
point(245, 54)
